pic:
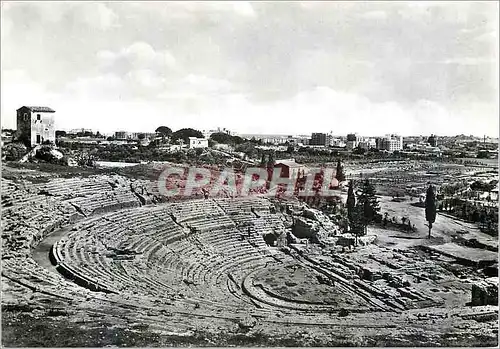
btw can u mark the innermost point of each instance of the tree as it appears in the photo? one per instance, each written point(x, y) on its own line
point(238, 140)
point(339, 175)
point(60, 133)
point(247, 148)
point(475, 216)
point(222, 137)
point(164, 131)
point(184, 134)
point(256, 141)
point(263, 160)
point(85, 134)
point(271, 161)
point(359, 151)
point(351, 205)
point(430, 207)
point(351, 201)
point(358, 226)
point(483, 154)
point(368, 203)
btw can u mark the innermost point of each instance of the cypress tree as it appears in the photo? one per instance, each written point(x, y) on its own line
point(339, 174)
point(351, 202)
point(263, 160)
point(271, 161)
point(430, 207)
point(368, 203)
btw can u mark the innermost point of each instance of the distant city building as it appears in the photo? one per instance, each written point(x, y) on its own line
point(276, 139)
point(303, 140)
point(323, 139)
point(424, 148)
point(353, 137)
point(208, 133)
point(35, 125)
point(79, 130)
point(137, 135)
point(121, 135)
point(390, 143)
point(134, 136)
point(352, 141)
point(318, 139)
point(337, 142)
point(367, 143)
point(195, 142)
point(351, 145)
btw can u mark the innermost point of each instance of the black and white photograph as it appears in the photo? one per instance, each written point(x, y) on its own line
point(249, 173)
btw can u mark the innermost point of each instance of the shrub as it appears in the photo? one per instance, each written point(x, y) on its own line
point(14, 151)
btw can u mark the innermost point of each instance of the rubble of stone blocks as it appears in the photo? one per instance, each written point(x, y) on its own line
point(485, 292)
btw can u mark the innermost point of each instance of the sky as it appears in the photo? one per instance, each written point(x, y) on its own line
point(374, 68)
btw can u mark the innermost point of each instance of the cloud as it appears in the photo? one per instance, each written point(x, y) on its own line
point(375, 15)
point(139, 55)
point(488, 37)
point(242, 8)
point(197, 10)
point(145, 79)
point(6, 26)
point(204, 84)
point(96, 15)
point(103, 87)
point(469, 60)
point(18, 89)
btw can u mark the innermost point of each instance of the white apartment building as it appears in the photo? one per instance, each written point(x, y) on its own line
point(390, 143)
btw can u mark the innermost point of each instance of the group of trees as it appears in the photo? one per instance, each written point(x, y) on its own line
point(452, 189)
point(483, 186)
point(486, 216)
point(362, 207)
point(183, 135)
point(484, 154)
point(249, 149)
point(225, 138)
